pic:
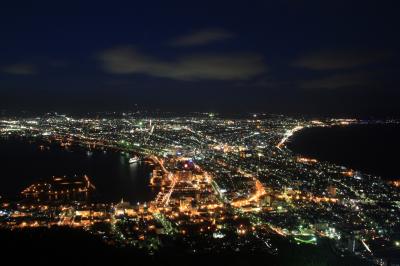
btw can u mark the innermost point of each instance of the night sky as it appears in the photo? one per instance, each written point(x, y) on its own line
point(290, 57)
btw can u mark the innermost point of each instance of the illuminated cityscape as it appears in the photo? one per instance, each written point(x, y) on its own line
point(223, 184)
point(200, 133)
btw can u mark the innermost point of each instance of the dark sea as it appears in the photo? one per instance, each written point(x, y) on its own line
point(373, 149)
point(23, 162)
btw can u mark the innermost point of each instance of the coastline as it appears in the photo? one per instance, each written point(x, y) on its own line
point(340, 152)
point(110, 171)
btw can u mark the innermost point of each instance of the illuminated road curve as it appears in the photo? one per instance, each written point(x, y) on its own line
point(287, 135)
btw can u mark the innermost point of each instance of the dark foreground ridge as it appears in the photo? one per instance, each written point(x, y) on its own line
point(43, 246)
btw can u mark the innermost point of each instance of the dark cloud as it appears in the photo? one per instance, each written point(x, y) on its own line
point(126, 60)
point(336, 60)
point(202, 37)
point(338, 81)
point(19, 69)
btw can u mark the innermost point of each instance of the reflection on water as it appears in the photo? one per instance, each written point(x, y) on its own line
point(133, 167)
point(23, 162)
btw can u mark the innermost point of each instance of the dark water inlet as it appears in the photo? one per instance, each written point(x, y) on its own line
point(23, 162)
